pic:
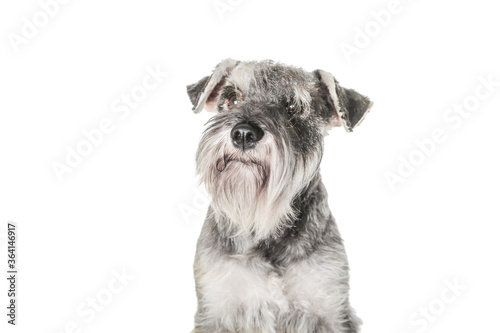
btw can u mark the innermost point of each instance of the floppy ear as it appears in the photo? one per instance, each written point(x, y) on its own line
point(348, 106)
point(203, 94)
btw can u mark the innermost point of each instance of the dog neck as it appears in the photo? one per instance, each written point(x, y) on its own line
point(310, 200)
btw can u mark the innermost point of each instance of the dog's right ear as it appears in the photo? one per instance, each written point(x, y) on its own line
point(203, 94)
point(349, 107)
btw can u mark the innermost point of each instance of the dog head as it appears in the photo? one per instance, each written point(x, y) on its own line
point(265, 142)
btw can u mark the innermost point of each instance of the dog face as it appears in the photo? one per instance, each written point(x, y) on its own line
point(265, 142)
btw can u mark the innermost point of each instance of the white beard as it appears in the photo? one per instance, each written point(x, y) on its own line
point(253, 190)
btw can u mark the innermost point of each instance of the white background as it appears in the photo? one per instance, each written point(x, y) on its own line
point(133, 204)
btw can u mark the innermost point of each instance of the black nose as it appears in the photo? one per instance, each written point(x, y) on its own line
point(246, 135)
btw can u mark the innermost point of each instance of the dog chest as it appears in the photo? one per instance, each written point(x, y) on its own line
point(247, 288)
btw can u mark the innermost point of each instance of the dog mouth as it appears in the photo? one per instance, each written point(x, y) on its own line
point(227, 159)
point(241, 168)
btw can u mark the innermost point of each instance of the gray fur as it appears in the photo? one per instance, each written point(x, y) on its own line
point(270, 257)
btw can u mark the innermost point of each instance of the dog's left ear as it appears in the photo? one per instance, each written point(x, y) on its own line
point(348, 106)
point(203, 94)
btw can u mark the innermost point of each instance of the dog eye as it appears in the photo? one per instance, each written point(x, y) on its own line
point(233, 101)
point(293, 108)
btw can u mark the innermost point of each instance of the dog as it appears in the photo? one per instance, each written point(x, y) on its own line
point(270, 258)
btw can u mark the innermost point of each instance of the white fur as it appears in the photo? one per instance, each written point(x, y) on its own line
point(305, 290)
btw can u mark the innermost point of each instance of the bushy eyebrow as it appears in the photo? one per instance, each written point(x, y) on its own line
point(228, 91)
point(302, 97)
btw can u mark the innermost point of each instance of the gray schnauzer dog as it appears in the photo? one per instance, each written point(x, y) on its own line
point(270, 257)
